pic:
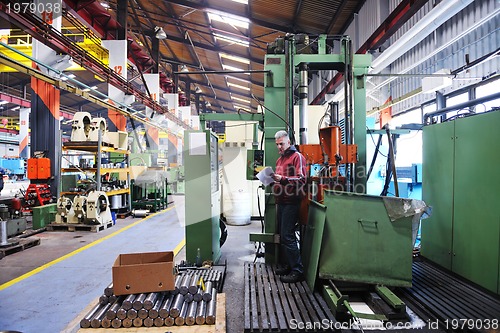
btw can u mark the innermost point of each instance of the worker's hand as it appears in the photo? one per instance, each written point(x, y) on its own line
point(276, 177)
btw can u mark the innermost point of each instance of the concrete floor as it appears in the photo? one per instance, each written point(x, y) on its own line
point(44, 288)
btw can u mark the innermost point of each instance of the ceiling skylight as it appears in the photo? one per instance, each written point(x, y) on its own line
point(234, 40)
point(234, 58)
point(229, 84)
point(240, 99)
point(235, 21)
point(232, 68)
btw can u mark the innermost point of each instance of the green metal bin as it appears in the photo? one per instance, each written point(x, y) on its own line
point(368, 239)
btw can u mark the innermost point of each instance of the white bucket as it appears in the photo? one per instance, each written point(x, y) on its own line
point(237, 208)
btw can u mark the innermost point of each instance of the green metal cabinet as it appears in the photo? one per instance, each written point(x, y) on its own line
point(202, 206)
point(461, 183)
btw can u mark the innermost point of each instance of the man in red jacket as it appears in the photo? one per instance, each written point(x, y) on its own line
point(288, 189)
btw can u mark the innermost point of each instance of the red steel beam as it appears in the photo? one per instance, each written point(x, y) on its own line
point(401, 14)
point(15, 100)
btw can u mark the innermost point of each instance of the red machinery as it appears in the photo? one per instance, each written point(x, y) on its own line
point(38, 193)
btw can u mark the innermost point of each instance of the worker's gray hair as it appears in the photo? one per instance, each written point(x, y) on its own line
point(281, 134)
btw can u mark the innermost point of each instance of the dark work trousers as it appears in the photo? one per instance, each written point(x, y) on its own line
point(288, 216)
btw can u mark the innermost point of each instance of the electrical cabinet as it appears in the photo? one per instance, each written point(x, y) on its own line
point(460, 182)
point(202, 187)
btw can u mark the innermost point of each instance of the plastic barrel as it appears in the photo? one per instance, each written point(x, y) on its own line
point(237, 208)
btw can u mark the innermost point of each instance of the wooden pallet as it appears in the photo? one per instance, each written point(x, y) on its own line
point(24, 243)
point(271, 305)
point(77, 227)
point(219, 327)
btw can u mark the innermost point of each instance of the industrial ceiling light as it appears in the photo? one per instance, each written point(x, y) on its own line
point(208, 104)
point(159, 33)
point(198, 90)
point(184, 69)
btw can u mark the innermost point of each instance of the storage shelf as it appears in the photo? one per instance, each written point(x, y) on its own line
point(103, 170)
point(92, 147)
point(109, 193)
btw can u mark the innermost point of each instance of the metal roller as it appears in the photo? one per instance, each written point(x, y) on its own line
point(211, 308)
point(85, 322)
point(191, 314)
point(184, 287)
point(108, 291)
point(178, 281)
point(176, 307)
point(193, 286)
point(128, 301)
point(116, 323)
point(132, 314)
point(139, 301)
point(112, 299)
point(155, 311)
point(106, 322)
point(207, 294)
point(159, 322)
point(150, 300)
point(142, 313)
point(148, 322)
point(121, 313)
point(96, 320)
point(111, 314)
point(137, 322)
point(169, 321)
point(201, 312)
point(181, 320)
point(164, 311)
point(127, 322)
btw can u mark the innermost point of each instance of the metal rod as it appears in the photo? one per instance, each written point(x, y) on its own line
point(111, 314)
point(184, 288)
point(132, 314)
point(142, 313)
point(181, 319)
point(178, 280)
point(155, 311)
point(96, 320)
point(193, 287)
point(127, 322)
point(188, 298)
point(148, 322)
point(112, 299)
point(211, 308)
point(128, 301)
point(116, 323)
point(150, 300)
point(191, 314)
point(176, 307)
point(137, 322)
point(108, 291)
point(121, 313)
point(106, 322)
point(198, 296)
point(139, 301)
point(207, 295)
point(103, 300)
point(85, 322)
point(164, 311)
point(201, 312)
point(169, 321)
point(159, 322)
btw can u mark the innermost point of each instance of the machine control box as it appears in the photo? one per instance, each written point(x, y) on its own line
point(255, 160)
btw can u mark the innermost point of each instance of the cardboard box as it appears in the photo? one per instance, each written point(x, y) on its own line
point(136, 273)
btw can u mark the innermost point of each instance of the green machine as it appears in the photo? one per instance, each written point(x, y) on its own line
point(201, 167)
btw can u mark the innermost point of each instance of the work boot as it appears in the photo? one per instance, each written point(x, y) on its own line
point(282, 270)
point(293, 277)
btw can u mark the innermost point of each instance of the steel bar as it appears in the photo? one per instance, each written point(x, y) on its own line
point(164, 311)
point(176, 307)
point(178, 281)
point(85, 322)
point(184, 288)
point(137, 322)
point(103, 300)
point(207, 294)
point(106, 322)
point(127, 322)
point(150, 300)
point(121, 313)
point(198, 296)
point(108, 291)
point(201, 312)
point(112, 299)
point(116, 323)
point(191, 314)
point(169, 321)
point(181, 319)
point(155, 311)
point(139, 301)
point(132, 314)
point(142, 313)
point(193, 286)
point(96, 320)
point(188, 298)
point(111, 314)
point(159, 322)
point(128, 301)
point(148, 322)
point(211, 308)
